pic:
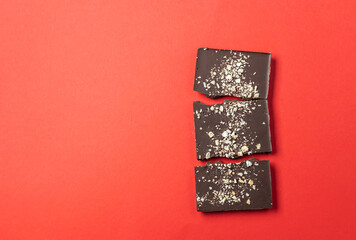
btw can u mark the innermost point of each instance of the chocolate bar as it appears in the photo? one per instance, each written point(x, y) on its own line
point(235, 186)
point(232, 73)
point(231, 129)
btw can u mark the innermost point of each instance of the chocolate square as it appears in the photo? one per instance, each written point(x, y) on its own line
point(231, 129)
point(235, 186)
point(232, 73)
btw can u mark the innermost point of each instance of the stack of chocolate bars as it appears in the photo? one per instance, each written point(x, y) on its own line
point(232, 129)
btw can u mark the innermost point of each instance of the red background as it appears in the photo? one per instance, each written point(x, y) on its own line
point(96, 121)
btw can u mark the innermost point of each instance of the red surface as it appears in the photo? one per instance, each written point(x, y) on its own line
point(96, 120)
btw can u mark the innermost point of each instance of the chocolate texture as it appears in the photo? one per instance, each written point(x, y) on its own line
point(232, 73)
point(235, 186)
point(231, 129)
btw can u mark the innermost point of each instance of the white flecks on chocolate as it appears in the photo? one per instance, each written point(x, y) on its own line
point(231, 74)
point(248, 163)
point(244, 148)
point(232, 138)
point(228, 183)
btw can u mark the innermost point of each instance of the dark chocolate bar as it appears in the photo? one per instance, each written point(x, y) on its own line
point(235, 186)
point(232, 73)
point(231, 129)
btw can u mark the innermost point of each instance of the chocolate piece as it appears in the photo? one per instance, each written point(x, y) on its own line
point(231, 129)
point(235, 186)
point(232, 73)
